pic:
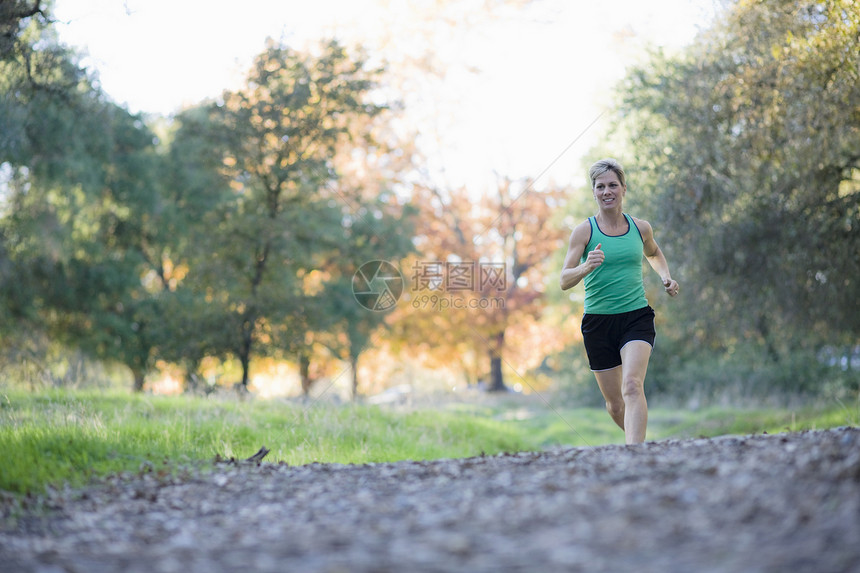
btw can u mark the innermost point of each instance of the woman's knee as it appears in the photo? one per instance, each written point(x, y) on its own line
point(615, 408)
point(632, 386)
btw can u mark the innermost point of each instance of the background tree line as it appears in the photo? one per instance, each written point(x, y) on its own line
point(746, 150)
point(233, 230)
point(232, 234)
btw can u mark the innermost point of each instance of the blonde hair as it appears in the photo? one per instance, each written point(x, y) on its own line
point(604, 165)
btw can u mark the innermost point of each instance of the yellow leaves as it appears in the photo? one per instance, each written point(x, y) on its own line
point(850, 186)
point(168, 276)
point(263, 331)
point(776, 51)
point(233, 103)
point(314, 282)
point(271, 140)
point(272, 65)
point(174, 274)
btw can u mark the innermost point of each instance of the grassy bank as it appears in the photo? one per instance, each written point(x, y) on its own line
point(65, 437)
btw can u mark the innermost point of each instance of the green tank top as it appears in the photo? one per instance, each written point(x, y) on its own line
point(615, 286)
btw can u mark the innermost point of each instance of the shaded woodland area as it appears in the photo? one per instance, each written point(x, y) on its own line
point(232, 231)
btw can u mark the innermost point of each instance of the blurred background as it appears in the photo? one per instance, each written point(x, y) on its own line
point(189, 189)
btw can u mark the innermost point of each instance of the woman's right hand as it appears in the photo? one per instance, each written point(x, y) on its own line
point(594, 259)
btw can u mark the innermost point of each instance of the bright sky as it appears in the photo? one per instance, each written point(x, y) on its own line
point(518, 87)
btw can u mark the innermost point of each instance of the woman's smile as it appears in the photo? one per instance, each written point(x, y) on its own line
point(608, 190)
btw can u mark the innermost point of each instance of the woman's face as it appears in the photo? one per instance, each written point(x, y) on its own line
point(608, 191)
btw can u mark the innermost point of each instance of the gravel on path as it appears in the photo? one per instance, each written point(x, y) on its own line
point(783, 502)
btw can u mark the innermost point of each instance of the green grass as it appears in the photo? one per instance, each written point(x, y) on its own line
point(547, 424)
point(63, 437)
point(57, 438)
point(719, 421)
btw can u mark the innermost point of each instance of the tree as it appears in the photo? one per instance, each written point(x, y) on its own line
point(377, 225)
point(195, 185)
point(92, 244)
point(15, 18)
point(481, 274)
point(83, 220)
point(278, 137)
point(749, 147)
point(379, 235)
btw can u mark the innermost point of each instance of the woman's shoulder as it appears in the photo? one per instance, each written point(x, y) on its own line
point(583, 226)
point(582, 232)
point(644, 228)
point(641, 224)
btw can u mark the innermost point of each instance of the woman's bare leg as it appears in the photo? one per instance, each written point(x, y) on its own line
point(634, 365)
point(609, 382)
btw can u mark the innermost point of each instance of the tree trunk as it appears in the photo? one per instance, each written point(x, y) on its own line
point(249, 319)
point(497, 382)
point(192, 376)
point(304, 372)
point(138, 379)
point(245, 350)
point(246, 366)
point(353, 363)
point(763, 324)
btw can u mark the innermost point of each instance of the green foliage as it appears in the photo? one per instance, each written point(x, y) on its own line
point(81, 219)
point(236, 235)
point(16, 16)
point(748, 150)
point(746, 375)
point(135, 249)
point(278, 210)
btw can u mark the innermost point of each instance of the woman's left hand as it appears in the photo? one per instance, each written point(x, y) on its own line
point(672, 287)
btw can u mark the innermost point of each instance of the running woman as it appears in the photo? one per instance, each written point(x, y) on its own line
point(605, 253)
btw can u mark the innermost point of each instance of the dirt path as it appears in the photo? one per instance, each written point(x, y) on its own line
point(787, 502)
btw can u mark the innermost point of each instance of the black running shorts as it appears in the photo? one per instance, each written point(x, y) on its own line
point(605, 334)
